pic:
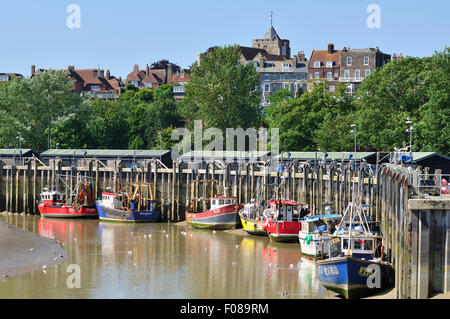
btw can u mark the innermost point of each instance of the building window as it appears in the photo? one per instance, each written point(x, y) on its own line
point(95, 88)
point(148, 85)
point(287, 86)
point(331, 88)
point(283, 51)
point(317, 64)
point(357, 74)
point(347, 74)
point(182, 75)
point(274, 77)
point(366, 60)
point(349, 61)
point(279, 77)
point(266, 77)
point(329, 75)
point(335, 74)
point(287, 77)
point(329, 64)
point(316, 75)
point(4, 78)
point(367, 73)
point(350, 88)
point(286, 65)
point(267, 87)
point(299, 76)
point(135, 83)
point(311, 76)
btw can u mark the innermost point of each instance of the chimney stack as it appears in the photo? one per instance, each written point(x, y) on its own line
point(199, 57)
point(136, 68)
point(71, 68)
point(169, 74)
point(147, 70)
point(330, 48)
point(33, 70)
point(108, 75)
point(102, 73)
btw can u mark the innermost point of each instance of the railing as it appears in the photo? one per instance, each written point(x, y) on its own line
point(351, 79)
point(433, 185)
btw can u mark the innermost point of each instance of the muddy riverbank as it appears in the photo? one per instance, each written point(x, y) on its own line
point(22, 251)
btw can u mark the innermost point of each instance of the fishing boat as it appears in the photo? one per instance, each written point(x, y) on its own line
point(135, 205)
point(312, 237)
point(79, 204)
point(221, 215)
point(252, 218)
point(357, 270)
point(283, 220)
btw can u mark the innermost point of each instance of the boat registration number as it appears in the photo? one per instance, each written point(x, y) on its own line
point(331, 271)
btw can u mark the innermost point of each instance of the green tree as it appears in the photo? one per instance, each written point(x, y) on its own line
point(30, 107)
point(223, 90)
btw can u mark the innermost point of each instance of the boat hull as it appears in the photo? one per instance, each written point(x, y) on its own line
point(222, 218)
point(314, 249)
point(351, 278)
point(63, 211)
point(118, 215)
point(283, 231)
point(253, 227)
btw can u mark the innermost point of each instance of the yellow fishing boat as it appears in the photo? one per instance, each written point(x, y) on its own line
point(251, 220)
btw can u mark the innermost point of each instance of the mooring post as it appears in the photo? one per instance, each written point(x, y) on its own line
point(7, 206)
point(97, 179)
point(174, 171)
point(16, 206)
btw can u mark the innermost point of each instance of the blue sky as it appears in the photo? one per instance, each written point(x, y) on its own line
point(117, 34)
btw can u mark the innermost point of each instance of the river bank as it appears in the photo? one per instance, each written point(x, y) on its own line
point(22, 251)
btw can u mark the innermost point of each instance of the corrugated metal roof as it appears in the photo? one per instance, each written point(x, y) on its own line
point(12, 151)
point(104, 153)
point(331, 155)
point(225, 154)
point(418, 156)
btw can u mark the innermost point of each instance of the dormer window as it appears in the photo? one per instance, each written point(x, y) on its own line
point(95, 88)
point(329, 64)
point(317, 64)
point(182, 75)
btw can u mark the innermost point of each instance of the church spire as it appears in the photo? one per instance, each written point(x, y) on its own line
point(271, 15)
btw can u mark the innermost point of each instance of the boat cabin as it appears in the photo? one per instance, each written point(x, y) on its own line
point(360, 247)
point(320, 223)
point(217, 202)
point(52, 197)
point(285, 210)
point(112, 200)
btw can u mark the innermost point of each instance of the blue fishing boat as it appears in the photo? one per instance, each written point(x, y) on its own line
point(136, 206)
point(355, 268)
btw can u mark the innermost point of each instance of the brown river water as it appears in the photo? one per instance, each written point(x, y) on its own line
point(162, 261)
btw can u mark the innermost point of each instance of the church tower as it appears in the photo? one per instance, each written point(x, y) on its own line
point(272, 43)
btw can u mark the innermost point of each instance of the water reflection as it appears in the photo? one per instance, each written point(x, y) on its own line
point(163, 261)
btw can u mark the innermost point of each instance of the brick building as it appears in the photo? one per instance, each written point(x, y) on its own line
point(152, 78)
point(92, 82)
point(357, 64)
point(324, 67)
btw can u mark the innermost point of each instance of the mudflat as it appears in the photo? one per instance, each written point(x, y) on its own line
point(22, 251)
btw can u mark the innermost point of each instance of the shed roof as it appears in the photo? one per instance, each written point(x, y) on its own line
point(103, 153)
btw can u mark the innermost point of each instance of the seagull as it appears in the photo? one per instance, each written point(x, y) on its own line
point(32, 248)
point(145, 236)
point(214, 231)
point(167, 235)
point(55, 258)
point(237, 246)
point(130, 252)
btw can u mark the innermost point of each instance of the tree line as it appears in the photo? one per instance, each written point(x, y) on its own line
point(222, 92)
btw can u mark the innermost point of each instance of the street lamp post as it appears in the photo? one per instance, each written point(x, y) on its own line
point(409, 130)
point(160, 147)
point(20, 138)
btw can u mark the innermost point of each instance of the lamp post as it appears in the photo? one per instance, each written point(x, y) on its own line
point(354, 131)
point(20, 138)
point(409, 130)
point(160, 147)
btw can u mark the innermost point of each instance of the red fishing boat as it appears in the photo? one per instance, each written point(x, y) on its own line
point(283, 220)
point(222, 214)
point(80, 205)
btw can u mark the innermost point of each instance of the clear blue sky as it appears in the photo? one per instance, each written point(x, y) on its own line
point(117, 34)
